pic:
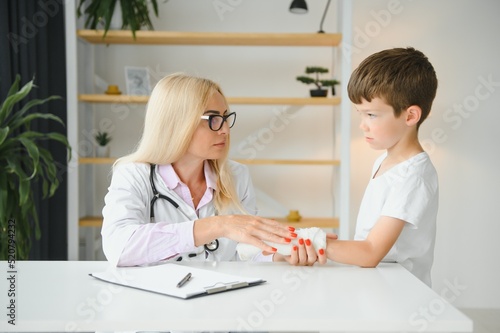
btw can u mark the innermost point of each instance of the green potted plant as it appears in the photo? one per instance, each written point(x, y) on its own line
point(319, 91)
point(102, 139)
point(134, 13)
point(22, 163)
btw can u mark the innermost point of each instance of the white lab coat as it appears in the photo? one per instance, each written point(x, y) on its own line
point(127, 206)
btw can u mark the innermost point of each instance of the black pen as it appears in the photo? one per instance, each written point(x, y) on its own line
point(184, 280)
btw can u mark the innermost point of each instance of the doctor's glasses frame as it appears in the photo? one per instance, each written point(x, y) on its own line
point(215, 122)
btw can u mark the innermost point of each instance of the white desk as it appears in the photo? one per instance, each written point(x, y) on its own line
point(60, 296)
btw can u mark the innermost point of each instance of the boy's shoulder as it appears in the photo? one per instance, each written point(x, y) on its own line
point(419, 165)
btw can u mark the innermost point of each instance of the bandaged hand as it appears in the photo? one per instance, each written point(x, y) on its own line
point(305, 249)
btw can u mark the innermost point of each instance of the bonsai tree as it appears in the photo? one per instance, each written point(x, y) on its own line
point(135, 13)
point(319, 91)
point(22, 163)
point(102, 138)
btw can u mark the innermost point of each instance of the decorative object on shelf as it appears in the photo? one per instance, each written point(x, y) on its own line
point(113, 90)
point(300, 7)
point(134, 14)
point(319, 91)
point(137, 79)
point(102, 139)
point(23, 163)
point(294, 216)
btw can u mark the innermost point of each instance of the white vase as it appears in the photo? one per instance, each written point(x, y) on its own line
point(102, 151)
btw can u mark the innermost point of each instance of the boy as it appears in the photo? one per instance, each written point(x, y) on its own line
point(393, 92)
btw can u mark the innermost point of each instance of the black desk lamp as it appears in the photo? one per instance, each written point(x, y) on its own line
point(300, 7)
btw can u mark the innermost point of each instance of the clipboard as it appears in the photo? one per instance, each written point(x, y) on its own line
point(162, 279)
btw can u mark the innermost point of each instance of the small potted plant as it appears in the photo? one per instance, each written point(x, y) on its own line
point(134, 14)
point(319, 91)
point(102, 139)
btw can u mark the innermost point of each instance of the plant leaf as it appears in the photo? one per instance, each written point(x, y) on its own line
point(32, 149)
point(155, 7)
point(4, 131)
point(31, 135)
point(11, 100)
point(24, 191)
point(15, 86)
point(108, 14)
point(29, 118)
point(61, 138)
point(29, 105)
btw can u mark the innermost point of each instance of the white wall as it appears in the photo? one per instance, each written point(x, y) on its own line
point(461, 40)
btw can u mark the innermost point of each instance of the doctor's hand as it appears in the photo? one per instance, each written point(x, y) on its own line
point(253, 230)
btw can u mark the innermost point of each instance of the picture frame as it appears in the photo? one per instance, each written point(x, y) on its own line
point(137, 80)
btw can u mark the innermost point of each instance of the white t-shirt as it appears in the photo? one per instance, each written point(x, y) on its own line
point(409, 192)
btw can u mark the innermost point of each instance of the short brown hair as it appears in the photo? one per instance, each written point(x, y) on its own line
point(401, 77)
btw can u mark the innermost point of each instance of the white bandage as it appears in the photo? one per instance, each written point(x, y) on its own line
point(316, 235)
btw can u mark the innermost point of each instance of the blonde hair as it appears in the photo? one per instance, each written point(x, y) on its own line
point(172, 116)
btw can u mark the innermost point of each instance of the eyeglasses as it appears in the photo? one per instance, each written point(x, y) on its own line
point(215, 122)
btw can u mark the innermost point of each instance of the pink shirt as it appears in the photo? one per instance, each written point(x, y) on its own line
point(149, 242)
point(174, 183)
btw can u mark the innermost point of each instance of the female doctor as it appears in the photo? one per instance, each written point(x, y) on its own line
point(177, 197)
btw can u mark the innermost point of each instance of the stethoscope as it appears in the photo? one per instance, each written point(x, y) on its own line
point(210, 247)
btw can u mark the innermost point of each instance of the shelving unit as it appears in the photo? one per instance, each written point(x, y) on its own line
point(215, 39)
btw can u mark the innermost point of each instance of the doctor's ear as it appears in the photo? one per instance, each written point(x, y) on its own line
point(413, 114)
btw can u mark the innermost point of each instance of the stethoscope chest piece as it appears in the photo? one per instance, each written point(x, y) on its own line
point(212, 246)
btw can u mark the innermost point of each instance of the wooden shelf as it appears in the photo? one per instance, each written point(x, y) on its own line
point(309, 222)
point(90, 221)
point(320, 222)
point(287, 162)
point(103, 98)
point(210, 38)
point(96, 160)
point(111, 160)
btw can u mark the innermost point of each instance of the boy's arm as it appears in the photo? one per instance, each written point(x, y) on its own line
point(369, 252)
